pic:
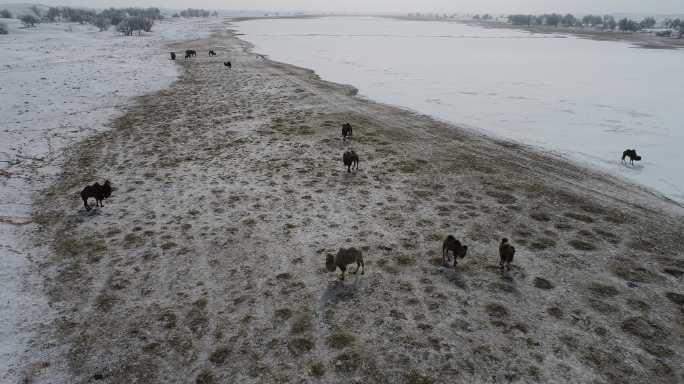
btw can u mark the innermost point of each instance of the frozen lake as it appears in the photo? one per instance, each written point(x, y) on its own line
point(586, 100)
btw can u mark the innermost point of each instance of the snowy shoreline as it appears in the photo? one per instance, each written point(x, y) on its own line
point(536, 99)
point(61, 83)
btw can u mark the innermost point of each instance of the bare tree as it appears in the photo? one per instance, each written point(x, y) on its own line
point(29, 20)
point(102, 23)
point(37, 11)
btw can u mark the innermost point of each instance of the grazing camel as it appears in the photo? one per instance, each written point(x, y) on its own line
point(350, 159)
point(632, 154)
point(346, 131)
point(99, 192)
point(506, 252)
point(456, 248)
point(344, 257)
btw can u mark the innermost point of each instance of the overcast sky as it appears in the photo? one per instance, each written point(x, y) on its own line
point(461, 6)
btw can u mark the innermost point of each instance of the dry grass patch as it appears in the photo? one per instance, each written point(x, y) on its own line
point(542, 283)
point(579, 217)
point(220, 355)
point(603, 290)
point(340, 340)
point(582, 245)
point(347, 362)
point(541, 244)
point(676, 298)
point(413, 377)
point(300, 345)
point(301, 324)
point(318, 369)
point(205, 377)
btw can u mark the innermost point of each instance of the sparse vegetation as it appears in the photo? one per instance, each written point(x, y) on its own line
point(413, 377)
point(220, 355)
point(126, 20)
point(581, 245)
point(628, 25)
point(542, 283)
point(542, 243)
point(3, 29)
point(676, 298)
point(603, 290)
point(300, 345)
point(340, 340)
point(301, 324)
point(594, 21)
point(29, 21)
point(318, 369)
point(191, 12)
point(205, 377)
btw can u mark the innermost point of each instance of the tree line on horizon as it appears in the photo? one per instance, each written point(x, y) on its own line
point(126, 20)
point(191, 12)
point(595, 21)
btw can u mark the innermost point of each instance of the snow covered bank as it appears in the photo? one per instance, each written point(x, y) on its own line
point(58, 84)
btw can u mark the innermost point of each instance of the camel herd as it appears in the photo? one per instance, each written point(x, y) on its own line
point(190, 53)
point(344, 257)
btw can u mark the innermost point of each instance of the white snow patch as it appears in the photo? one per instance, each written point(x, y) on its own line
point(59, 83)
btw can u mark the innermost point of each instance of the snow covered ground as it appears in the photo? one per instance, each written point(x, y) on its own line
point(59, 83)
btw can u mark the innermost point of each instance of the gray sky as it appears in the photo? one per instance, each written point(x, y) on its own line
point(461, 6)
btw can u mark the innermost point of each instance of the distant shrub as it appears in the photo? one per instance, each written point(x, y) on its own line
point(647, 23)
point(190, 12)
point(126, 20)
point(102, 23)
point(592, 21)
point(37, 11)
point(521, 19)
point(135, 23)
point(5, 14)
point(3, 29)
point(628, 25)
point(29, 20)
